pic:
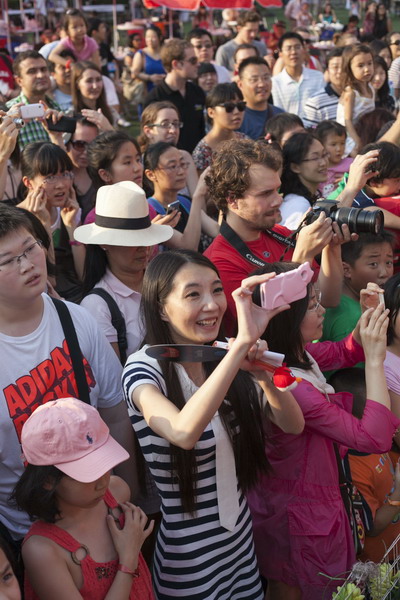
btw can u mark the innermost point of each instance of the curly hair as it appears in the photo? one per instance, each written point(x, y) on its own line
point(229, 173)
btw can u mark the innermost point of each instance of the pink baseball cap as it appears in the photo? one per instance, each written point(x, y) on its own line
point(71, 435)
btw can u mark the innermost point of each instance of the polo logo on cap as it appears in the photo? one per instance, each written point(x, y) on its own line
point(89, 439)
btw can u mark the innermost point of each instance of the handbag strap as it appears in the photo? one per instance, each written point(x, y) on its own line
point(343, 483)
point(74, 349)
point(117, 320)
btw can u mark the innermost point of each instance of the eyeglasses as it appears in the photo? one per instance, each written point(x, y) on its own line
point(230, 106)
point(173, 168)
point(317, 304)
point(52, 179)
point(317, 158)
point(288, 49)
point(395, 43)
point(13, 263)
point(168, 125)
point(79, 144)
point(206, 45)
point(193, 60)
point(261, 78)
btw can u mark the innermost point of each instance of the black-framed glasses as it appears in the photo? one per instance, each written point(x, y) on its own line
point(230, 106)
point(79, 144)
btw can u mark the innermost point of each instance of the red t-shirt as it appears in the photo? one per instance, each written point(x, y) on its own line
point(233, 267)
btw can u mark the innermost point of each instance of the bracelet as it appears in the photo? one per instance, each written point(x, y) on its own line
point(74, 243)
point(124, 569)
point(393, 502)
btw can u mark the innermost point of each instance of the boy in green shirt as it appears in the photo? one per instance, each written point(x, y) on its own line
point(369, 259)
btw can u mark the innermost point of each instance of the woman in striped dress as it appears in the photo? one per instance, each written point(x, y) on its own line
point(200, 427)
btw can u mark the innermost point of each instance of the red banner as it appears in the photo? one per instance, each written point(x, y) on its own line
point(193, 5)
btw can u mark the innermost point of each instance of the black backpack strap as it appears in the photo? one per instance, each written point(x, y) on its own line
point(74, 349)
point(117, 320)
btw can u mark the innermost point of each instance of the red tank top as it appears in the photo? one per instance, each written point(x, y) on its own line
point(97, 577)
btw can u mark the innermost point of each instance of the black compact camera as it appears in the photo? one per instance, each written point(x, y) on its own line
point(357, 219)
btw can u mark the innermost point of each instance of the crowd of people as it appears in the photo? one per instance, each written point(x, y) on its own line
point(136, 460)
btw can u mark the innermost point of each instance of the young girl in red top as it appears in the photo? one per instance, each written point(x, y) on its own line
point(88, 539)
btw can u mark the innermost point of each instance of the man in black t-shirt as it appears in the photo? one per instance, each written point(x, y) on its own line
point(181, 64)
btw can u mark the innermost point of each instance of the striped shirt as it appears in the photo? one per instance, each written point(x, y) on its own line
point(195, 557)
point(321, 107)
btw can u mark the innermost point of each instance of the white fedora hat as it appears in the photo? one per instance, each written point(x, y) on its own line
point(122, 219)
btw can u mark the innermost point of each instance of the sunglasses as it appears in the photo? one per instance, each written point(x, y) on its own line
point(230, 106)
point(79, 144)
point(193, 60)
point(395, 43)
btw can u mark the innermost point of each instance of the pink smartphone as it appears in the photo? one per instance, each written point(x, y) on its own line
point(286, 287)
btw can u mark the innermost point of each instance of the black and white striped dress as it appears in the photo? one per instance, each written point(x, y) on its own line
point(195, 557)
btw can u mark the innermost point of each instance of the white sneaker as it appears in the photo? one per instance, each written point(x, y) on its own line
point(123, 122)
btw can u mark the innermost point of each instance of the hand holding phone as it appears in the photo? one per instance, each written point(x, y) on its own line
point(64, 124)
point(286, 287)
point(173, 206)
point(32, 111)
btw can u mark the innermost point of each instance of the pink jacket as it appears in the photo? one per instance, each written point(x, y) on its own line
point(298, 510)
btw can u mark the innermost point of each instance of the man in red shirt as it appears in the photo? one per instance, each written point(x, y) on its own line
point(244, 182)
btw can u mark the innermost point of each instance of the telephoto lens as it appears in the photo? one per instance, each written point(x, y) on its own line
point(357, 219)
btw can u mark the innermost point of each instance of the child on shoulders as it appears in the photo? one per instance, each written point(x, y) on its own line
point(332, 136)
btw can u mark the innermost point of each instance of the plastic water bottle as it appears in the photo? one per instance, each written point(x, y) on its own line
point(111, 69)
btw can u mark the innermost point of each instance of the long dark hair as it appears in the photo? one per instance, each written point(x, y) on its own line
point(243, 407)
point(78, 101)
point(151, 159)
point(102, 152)
point(383, 93)
point(96, 263)
point(32, 496)
point(294, 151)
point(42, 158)
point(222, 92)
point(283, 331)
point(392, 302)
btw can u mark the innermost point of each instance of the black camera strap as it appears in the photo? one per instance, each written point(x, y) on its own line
point(283, 239)
point(232, 237)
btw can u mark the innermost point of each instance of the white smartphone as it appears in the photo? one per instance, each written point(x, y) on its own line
point(32, 111)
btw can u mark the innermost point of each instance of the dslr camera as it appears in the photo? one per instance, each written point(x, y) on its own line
point(357, 219)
